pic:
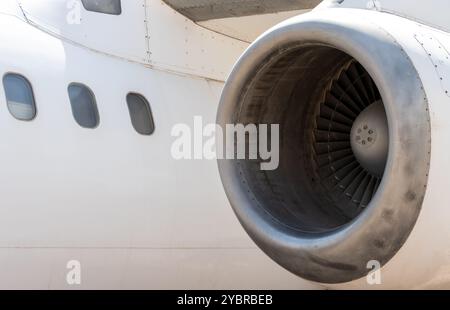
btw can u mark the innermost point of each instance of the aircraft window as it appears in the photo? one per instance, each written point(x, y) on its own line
point(141, 114)
point(84, 107)
point(112, 7)
point(19, 97)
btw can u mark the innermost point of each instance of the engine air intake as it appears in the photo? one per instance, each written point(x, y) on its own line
point(355, 145)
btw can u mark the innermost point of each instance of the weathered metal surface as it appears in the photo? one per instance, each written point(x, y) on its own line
point(201, 10)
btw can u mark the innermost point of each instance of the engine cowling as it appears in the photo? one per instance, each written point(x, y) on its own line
point(355, 146)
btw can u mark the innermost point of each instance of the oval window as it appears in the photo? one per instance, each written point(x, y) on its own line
point(84, 107)
point(112, 7)
point(19, 97)
point(141, 114)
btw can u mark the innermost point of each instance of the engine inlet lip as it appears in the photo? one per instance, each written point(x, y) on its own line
point(382, 229)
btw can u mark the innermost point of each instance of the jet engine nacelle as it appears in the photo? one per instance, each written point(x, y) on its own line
point(362, 100)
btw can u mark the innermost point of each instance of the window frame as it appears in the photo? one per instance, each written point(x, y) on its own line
point(149, 113)
point(33, 97)
point(94, 100)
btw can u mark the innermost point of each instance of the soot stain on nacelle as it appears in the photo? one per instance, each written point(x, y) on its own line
point(410, 196)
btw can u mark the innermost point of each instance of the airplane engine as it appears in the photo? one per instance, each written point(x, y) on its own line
point(355, 107)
